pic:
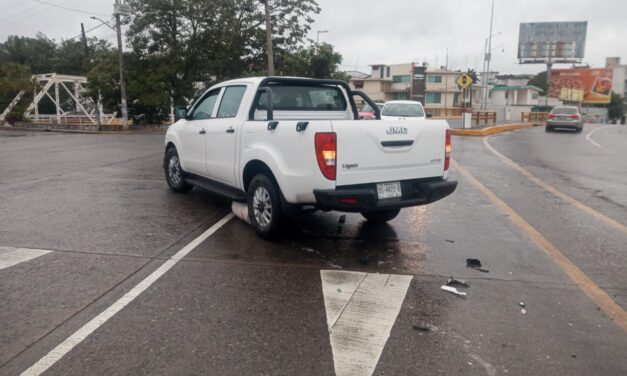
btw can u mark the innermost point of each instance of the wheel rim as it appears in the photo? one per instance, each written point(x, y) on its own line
point(174, 170)
point(262, 206)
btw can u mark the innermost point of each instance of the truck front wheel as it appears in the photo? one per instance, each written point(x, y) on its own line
point(264, 206)
point(380, 216)
point(174, 175)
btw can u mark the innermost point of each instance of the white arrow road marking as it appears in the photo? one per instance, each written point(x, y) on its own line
point(361, 310)
point(10, 256)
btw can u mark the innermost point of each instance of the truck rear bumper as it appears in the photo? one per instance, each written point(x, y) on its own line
point(364, 197)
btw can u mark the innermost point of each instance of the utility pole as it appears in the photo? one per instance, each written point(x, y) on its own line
point(118, 27)
point(318, 35)
point(269, 38)
point(489, 54)
point(84, 37)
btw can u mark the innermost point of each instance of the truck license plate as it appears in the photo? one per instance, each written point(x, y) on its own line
point(389, 190)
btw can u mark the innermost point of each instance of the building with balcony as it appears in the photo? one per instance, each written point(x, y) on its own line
point(435, 88)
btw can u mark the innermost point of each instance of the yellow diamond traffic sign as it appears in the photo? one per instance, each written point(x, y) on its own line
point(464, 80)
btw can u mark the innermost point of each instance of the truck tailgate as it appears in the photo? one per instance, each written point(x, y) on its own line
point(389, 150)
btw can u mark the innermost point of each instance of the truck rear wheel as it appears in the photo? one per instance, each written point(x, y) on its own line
point(264, 206)
point(380, 216)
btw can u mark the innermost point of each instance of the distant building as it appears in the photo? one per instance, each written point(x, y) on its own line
point(441, 89)
point(514, 95)
point(432, 87)
point(619, 76)
point(357, 74)
point(513, 79)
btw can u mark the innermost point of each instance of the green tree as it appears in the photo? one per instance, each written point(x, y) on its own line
point(315, 61)
point(540, 81)
point(617, 106)
point(39, 54)
point(188, 41)
point(13, 79)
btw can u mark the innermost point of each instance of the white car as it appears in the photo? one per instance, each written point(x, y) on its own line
point(403, 110)
point(285, 145)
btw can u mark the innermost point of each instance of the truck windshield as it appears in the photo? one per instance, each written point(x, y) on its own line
point(403, 109)
point(304, 98)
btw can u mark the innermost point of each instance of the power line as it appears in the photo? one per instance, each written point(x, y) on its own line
point(87, 31)
point(71, 9)
point(19, 12)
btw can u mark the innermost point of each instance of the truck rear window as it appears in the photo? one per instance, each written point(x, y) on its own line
point(304, 98)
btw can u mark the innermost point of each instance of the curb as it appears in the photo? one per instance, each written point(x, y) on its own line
point(492, 130)
point(76, 131)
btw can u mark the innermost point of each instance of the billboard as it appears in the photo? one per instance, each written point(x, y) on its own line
point(584, 85)
point(552, 42)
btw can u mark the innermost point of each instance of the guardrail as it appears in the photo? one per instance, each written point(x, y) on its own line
point(77, 120)
point(531, 117)
point(444, 111)
point(487, 117)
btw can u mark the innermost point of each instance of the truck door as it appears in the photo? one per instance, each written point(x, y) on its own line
point(222, 135)
point(193, 134)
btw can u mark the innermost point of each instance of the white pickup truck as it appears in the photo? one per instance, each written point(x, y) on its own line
point(287, 145)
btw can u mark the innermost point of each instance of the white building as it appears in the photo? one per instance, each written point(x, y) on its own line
point(619, 76)
point(516, 95)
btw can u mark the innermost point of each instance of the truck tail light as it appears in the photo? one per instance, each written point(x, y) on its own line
point(551, 116)
point(326, 145)
point(447, 150)
point(574, 116)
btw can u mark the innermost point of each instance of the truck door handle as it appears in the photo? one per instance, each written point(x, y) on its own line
point(230, 130)
point(202, 131)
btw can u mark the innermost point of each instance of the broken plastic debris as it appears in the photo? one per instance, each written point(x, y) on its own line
point(421, 328)
point(335, 266)
point(339, 290)
point(522, 304)
point(450, 241)
point(457, 282)
point(523, 311)
point(342, 218)
point(310, 250)
point(475, 264)
point(453, 290)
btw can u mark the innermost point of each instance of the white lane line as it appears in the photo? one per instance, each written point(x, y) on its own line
point(10, 256)
point(588, 136)
point(64, 347)
point(361, 310)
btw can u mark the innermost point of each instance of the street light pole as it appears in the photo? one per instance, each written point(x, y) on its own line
point(118, 27)
point(269, 38)
point(318, 35)
point(489, 54)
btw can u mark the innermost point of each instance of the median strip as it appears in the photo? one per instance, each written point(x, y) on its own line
point(493, 130)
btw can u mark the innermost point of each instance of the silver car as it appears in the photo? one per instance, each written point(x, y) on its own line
point(564, 117)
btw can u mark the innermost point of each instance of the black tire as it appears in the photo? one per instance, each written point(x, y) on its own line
point(381, 216)
point(268, 218)
point(174, 174)
point(548, 129)
point(578, 130)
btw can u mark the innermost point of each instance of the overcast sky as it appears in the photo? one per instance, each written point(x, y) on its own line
point(393, 31)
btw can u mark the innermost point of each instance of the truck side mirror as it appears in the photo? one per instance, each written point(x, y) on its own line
point(180, 112)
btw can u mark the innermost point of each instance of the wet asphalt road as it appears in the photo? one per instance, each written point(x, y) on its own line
point(238, 305)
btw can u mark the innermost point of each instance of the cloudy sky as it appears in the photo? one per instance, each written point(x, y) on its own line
point(393, 31)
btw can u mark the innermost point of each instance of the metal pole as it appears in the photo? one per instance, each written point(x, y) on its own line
point(549, 65)
point(483, 76)
point(118, 27)
point(489, 54)
point(269, 39)
point(56, 98)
